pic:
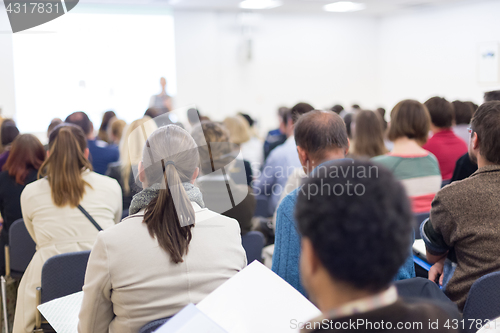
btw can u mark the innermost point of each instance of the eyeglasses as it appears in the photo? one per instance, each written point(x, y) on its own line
point(470, 130)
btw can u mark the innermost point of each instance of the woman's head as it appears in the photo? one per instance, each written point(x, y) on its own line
point(115, 130)
point(409, 119)
point(239, 130)
point(67, 158)
point(170, 158)
point(213, 144)
point(9, 132)
point(368, 131)
point(26, 154)
point(131, 146)
point(103, 134)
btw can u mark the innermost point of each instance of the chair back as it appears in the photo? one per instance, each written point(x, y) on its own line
point(253, 243)
point(418, 219)
point(482, 302)
point(153, 325)
point(21, 247)
point(63, 275)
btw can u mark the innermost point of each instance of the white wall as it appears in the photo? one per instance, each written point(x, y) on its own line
point(435, 52)
point(313, 58)
point(7, 98)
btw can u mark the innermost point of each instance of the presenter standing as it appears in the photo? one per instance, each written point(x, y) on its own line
point(161, 102)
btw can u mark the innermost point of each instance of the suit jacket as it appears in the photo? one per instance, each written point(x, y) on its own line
point(130, 279)
point(464, 220)
point(418, 315)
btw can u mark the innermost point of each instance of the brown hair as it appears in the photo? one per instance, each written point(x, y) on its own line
point(486, 123)
point(368, 135)
point(170, 157)
point(103, 134)
point(318, 131)
point(64, 165)
point(492, 96)
point(441, 112)
point(463, 112)
point(239, 130)
point(26, 154)
point(410, 119)
point(299, 109)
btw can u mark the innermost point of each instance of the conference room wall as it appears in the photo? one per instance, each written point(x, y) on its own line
point(320, 59)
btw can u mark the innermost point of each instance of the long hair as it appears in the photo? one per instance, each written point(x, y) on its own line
point(170, 158)
point(26, 154)
point(131, 146)
point(64, 165)
point(368, 134)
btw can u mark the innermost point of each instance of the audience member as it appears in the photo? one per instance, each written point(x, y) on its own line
point(216, 152)
point(348, 121)
point(444, 144)
point(103, 130)
point(131, 147)
point(321, 136)
point(463, 225)
point(337, 108)
point(193, 116)
point(8, 134)
point(186, 250)
point(101, 154)
point(53, 123)
point(239, 134)
point(349, 261)
point(115, 131)
point(252, 149)
point(27, 155)
point(492, 96)
point(53, 211)
point(414, 166)
point(280, 164)
point(277, 136)
point(368, 135)
point(161, 102)
point(151, 113)
point(381, 112)
point(463, 114)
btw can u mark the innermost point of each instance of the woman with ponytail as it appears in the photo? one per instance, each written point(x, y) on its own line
point(52, 209)
point(171, 250)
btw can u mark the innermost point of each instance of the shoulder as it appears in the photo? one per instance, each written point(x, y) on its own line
point(101, 182)
point(287, 205)
point(384, 159)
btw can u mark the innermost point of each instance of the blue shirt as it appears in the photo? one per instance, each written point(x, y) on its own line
point(280, 164)
point(101, 154)
point(287, 246)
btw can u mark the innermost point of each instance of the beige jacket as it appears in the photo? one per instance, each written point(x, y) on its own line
point(131, 280)
point(58, 230)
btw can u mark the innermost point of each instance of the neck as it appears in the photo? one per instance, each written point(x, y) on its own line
point(333, 295)
point(329, 156)
point(435, 129)
point(482, 162)
point(406, 146)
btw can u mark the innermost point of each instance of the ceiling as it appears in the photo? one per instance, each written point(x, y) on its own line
point(373, 7)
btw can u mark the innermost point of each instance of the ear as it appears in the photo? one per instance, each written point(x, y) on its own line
point(195, 175)
point(348, 146)
point(475, 141)
point(303, 156)
point(86, 153)
point(142, 176)
point(48, 154)
point(309, 262)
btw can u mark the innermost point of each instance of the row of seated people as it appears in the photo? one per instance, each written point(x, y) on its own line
point(68, 155)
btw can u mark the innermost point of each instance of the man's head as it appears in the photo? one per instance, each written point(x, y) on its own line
point(81, 119)
point(441, 112)
point(484, 145)
point(320, 136)
point(463, 112)
point(355, 221)
point(492, 96)
point(299, 109)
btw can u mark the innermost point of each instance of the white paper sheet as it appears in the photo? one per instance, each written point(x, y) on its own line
point(189, 320)
point(257, 300)
point(62, 313)
point(419, 247)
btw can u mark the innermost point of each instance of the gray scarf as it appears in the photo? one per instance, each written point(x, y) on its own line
point(143, 198)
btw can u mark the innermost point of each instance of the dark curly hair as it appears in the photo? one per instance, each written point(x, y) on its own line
point(362, 234)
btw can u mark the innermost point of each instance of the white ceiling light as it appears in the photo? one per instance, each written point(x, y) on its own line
point(260, 4)
point(344, 6)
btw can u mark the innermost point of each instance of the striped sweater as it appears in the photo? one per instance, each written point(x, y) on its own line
point(419, 174)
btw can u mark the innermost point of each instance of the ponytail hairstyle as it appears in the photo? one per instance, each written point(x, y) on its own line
point(64, 165)
point(170, 158)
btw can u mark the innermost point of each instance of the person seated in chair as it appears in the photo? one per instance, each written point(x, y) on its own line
point(356, 232)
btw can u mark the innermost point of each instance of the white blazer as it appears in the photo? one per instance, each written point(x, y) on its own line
point(131, 280)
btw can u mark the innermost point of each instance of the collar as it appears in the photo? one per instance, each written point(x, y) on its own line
point(290, 140)
point(486, 168)
point(367, 304)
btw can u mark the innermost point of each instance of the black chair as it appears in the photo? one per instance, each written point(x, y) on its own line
point(419, 218)
point(482, 302)
point(153, 325)
point(253, 243)
point(62, 275)
point(445, 182)
point(20, 250)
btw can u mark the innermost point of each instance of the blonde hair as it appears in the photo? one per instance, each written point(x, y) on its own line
point(115, 129)
point(131, 147)
point(64, 165)
point(239, 130)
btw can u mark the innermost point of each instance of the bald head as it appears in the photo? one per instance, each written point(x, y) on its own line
point(320, 133)
point(81, 119)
